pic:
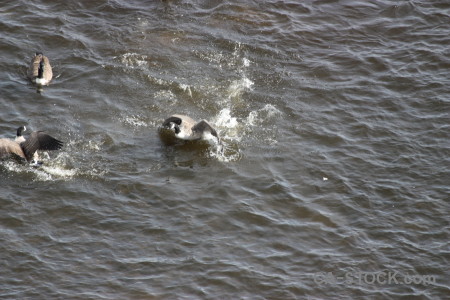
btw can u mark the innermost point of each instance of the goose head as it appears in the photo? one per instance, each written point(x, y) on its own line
point(19, 137)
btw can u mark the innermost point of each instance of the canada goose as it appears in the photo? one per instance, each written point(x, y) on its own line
point(40, 71)
point(26, 148)
point(186, 128)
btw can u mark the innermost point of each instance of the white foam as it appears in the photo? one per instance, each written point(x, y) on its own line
point(167, 96)
point(267, 113)
point(251, 119)
point(57, 168)
point(213, 57)
point(134, 121)
point(228, 129)
point(224, 119)
point(12, 166)
point(41, 173)
point(238, 86)
point(224, 152)
point(270, 110)
point(59, 172)
point(133, 60)
point(93, 145)
point(186, 88)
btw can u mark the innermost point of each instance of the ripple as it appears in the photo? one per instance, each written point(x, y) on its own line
point(333, 159)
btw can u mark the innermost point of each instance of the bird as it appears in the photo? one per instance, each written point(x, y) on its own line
point(40, 71)
point(27, 148)
point(186, 128)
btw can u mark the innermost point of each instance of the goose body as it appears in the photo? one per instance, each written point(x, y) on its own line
point(186, 128)
point(40, 71)
point(27, 148)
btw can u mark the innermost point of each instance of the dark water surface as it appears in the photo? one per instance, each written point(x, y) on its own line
point(333, 183)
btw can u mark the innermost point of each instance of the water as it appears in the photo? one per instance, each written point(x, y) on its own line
point(333, 182)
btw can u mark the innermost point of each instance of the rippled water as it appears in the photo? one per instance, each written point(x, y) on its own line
point(334, 117)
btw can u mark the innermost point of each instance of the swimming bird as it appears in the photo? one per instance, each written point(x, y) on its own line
point(40, 71)
point(186, 128)
point(27, 148)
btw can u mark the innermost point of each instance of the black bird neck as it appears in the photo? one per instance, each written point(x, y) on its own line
point(20, 130)
point(41, 70)
point(177, 129)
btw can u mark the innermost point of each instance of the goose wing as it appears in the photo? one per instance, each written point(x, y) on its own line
point(34, 66)
point(203, 126)
point(39, 140)
point(48, 73)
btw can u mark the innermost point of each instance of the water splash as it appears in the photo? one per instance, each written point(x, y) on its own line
point(50, 172)
point(238, 86)
point(224, 119)
point(134, 121)
point(133, 60)
point(233, 131)
point(93, 145)
point(58, 172)
point(228, 127)
point(166, 96)
point(226, 152)
point(186, 88)
point(263, 115)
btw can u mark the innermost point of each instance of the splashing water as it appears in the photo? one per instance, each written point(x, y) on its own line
point(59, 172)
point(186, 88)
point(265, 114)
point(134, 120)
point(224, 119)
point(40, 173)
point(132, 60)
point(238, 86)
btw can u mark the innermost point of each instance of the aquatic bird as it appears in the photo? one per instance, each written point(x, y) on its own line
point(40, 71)
point(27, 148)
point(186, 128)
